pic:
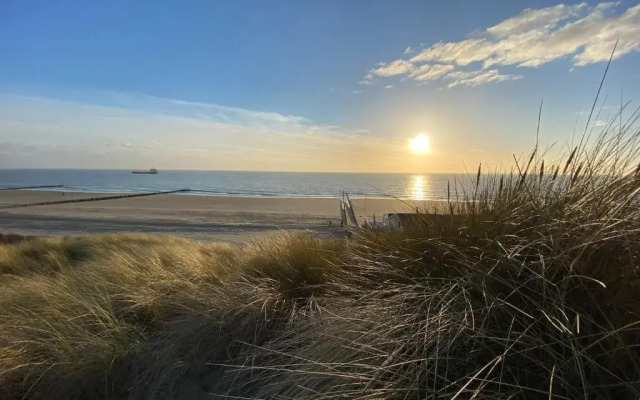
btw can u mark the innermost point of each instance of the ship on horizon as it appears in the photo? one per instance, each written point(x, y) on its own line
point(151, 171)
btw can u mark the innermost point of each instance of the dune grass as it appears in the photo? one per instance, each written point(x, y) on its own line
point(529, 289)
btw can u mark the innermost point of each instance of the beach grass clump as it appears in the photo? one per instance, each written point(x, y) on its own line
point(529, 287)
point(140, 316)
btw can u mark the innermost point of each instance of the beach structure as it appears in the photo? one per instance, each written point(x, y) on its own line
point(347, 215)
point(400, 220)
point(32, 187)
point(97, 198)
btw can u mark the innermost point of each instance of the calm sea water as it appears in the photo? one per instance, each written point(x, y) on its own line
point(227, 183)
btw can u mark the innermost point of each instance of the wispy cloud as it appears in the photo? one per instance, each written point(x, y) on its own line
point(530, 39)
point(428, 72)
point(476, 78)
point(532, 19)
point(397, 67)
point(172, 133)
point(598, 122)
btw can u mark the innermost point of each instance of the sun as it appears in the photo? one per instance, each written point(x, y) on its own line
point(420, 144)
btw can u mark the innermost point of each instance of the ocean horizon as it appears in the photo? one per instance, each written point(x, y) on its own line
point(431, 186)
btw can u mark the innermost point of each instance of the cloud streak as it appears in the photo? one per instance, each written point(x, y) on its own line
point(479, 78)
point(174, 134)
point(427, 72)
point(585, 34)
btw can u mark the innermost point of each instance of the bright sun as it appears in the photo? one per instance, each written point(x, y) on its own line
point(420, 144)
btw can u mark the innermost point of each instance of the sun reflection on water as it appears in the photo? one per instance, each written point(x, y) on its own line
point(418, 187)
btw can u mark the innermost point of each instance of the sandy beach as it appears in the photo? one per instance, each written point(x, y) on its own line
point(231, 219)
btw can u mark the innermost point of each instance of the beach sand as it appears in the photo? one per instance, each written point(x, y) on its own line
point(231, 219)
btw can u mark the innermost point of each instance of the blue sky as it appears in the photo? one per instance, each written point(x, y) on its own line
point(308, 86)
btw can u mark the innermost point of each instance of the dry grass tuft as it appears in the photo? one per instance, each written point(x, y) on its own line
point(138, 316)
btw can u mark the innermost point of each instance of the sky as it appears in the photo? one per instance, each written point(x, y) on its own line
point(332, 86)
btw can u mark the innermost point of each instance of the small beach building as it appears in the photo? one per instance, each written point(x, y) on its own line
point(401, 220)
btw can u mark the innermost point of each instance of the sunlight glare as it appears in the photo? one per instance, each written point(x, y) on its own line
point(418, 187)
point(420, 144)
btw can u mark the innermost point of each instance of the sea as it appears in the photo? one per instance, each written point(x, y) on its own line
point(239, 183)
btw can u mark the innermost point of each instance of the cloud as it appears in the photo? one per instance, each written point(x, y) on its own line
point(530, 19)
point(367, 80)
point(479, 78)
point(625, 29)
point(582, 33)
point(211, 111)
point(397, 67)
point(589, 39)
point(428, 72)
point(460, 53)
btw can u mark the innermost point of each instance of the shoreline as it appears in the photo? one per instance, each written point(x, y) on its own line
point(202, 193)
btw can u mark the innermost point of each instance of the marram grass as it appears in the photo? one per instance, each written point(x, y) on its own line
point(529, 289)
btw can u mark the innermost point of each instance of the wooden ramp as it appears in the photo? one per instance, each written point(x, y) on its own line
point(347, 215)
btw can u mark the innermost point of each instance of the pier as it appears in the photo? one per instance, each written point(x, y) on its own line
point(120, 196)
point(33, 187)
